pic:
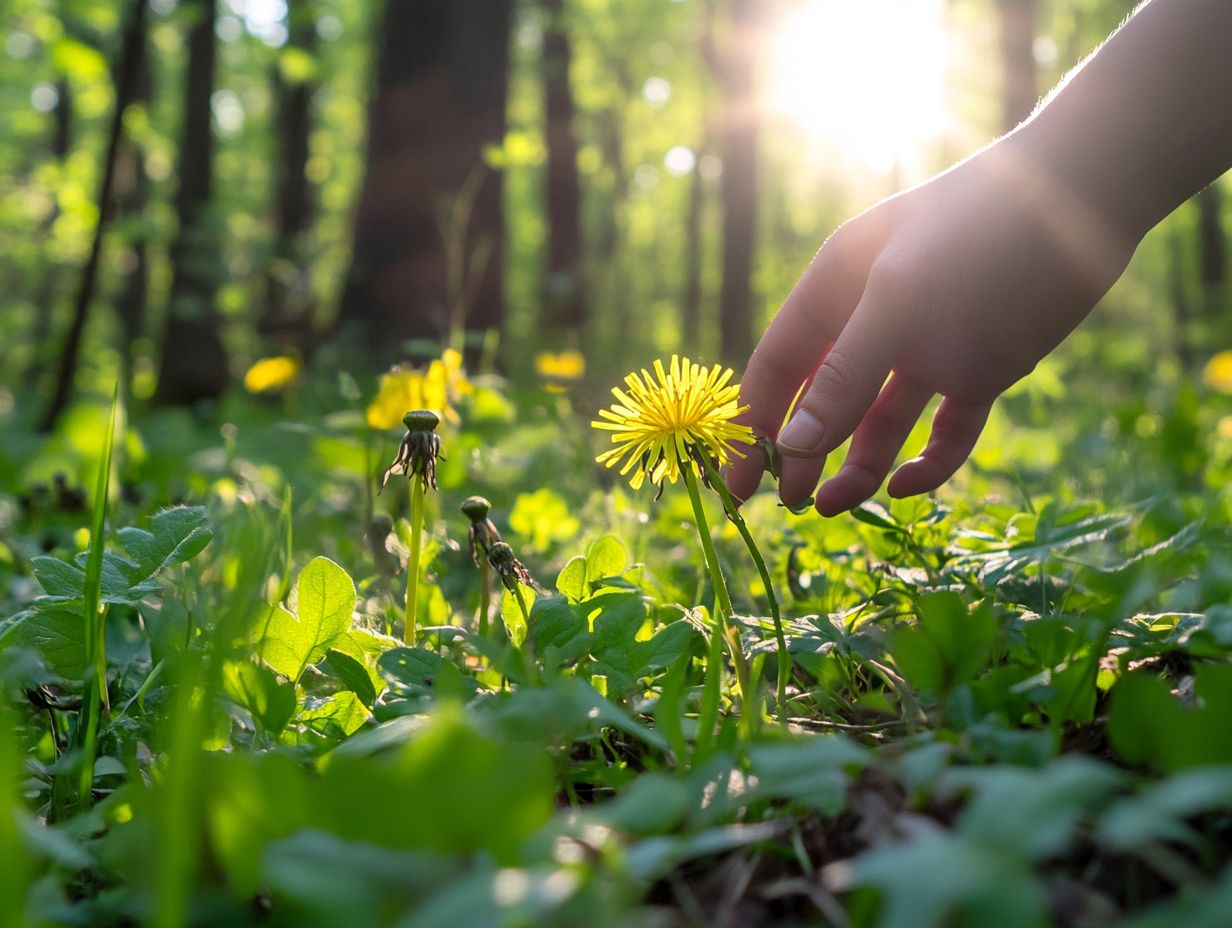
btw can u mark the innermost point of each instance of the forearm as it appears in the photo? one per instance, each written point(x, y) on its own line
point(1145, 122)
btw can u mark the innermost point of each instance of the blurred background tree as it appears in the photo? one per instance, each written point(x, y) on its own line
point(365, 184)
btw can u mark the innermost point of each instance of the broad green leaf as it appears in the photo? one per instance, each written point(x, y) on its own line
point(808, 770)
point(175, 535)
point(338, 715)
point(450, 788)
point(59, 637)
point(61, 581)
point(407, 668)
point(270, 700)
point(325, 599)
point(353, 674)
point(572, 579)
point(511, 612)
point(605, 558)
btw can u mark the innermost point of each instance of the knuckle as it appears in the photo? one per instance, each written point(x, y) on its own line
point(836, 377)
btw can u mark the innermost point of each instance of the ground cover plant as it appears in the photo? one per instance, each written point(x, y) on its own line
point(228, 702)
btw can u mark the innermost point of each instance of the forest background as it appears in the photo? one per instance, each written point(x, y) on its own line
point(318, 178)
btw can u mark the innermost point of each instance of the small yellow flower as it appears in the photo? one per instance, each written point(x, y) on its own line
point(1218, 372)
point(660, 420)
point(559, 371)
point(437, 389)
point(270, 374)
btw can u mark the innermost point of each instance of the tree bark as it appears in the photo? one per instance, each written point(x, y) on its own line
point(1019, 87)
point(126, 83)
point(194, 361)
point(1212, 252)
point(442, 80)
point(287, 319)
point(738, 130)
point(564, 306)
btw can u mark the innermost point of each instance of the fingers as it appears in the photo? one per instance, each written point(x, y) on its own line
point(956, 427)
point(874, 445)
point(800, 335)
point(844, 386)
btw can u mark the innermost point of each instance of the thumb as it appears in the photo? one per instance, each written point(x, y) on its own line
point(843, 388)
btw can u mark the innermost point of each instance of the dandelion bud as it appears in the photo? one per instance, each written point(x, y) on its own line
point(511, 570)
point(483, 534)
point(420, 448)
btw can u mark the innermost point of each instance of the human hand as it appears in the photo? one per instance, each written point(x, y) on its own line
point(957, 287)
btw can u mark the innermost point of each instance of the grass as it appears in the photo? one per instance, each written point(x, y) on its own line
point(1007, 706)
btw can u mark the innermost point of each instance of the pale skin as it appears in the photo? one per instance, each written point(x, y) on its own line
point(960, 286)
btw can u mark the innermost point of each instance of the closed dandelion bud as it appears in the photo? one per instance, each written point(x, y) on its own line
point(420, 448)
point(483, 534)
point(511, 570)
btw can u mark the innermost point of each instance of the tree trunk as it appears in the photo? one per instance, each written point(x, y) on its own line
point(194, 362)
point(287, 319)
point(125, 87)
point(1019, 91)
point(442, 79)
point(564, 313)
point(1212, 252)
point(691, 295)
point(132, 194)
point(736, 59)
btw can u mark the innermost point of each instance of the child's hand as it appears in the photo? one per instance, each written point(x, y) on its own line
point(958, 287)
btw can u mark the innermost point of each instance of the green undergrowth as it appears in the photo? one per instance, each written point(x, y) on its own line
point(1008, 711)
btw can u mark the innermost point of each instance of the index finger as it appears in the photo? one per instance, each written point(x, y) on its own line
point(790, 351)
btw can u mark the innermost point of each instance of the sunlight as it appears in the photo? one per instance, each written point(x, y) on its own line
point(866, 77)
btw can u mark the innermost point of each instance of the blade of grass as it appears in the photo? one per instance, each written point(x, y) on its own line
point(94, 614)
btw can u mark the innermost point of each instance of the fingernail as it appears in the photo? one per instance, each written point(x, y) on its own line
point(802, 436)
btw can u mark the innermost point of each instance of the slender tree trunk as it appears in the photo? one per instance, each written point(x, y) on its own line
point(691, 295)
point(131, 197)
point(49, 290)
point(1212, 252)
point(564, 304)
point(1019, 90)
point(287, 319)
point(442, 80)
point(194, 362)
point(126, 84)
point(738, 137)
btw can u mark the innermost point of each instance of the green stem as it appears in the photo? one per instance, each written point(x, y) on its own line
point(485, 594)
point(412, 568)
point(721, 597)
point(772, 601)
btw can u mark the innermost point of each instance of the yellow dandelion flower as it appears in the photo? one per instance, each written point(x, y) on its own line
point(400, 389)
point(560, 370)
point(270, 374)
point(659, 419)
point(1218, 372)
point(455, 374)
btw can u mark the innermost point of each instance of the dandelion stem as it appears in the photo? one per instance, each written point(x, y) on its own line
point(772, 601)
point(721, 597)
point(485, 594)
point(412, 567)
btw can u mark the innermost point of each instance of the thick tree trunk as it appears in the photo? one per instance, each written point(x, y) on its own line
point(440, 96)
point(564, 312)
point(194, 362)
point(738, 134)
point(1019, 89)
point(287, 320)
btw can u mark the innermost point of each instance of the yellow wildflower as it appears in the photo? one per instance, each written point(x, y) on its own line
point(1218, 372)
point(270, 374)
point(660, 420)
point(559, 371)
point(438, 388)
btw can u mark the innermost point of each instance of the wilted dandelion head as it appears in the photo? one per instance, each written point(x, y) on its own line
point(660, 420)
point(420, 448)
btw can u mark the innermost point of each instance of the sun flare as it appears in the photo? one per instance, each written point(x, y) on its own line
point(865, 77)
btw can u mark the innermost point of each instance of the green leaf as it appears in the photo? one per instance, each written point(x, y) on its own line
point(605, 558)
point(59, 637)
point(409, 668)
point(338, 716)
point(572, 579)
point(559, 630)
point(511, 612)
point(325, 599)
point(811, 771)
point(949, 645)
point(270, 700)
point(1159, 812)
point(175, 536)
point(543, 519)
point(353, 674)
point(61, 581)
